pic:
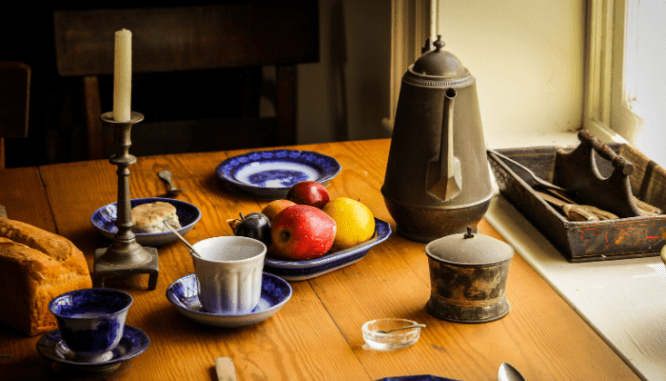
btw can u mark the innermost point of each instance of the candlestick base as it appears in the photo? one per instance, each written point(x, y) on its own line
point(110, 262)
point(125, 256)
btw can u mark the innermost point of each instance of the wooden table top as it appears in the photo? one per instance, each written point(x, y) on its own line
point(317, 334)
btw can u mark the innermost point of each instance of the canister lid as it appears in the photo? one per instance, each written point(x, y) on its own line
point(469, 249)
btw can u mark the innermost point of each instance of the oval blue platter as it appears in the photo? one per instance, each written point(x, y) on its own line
point(302, 270)
point(104, 220)
point(270, 174)
point(421, 377)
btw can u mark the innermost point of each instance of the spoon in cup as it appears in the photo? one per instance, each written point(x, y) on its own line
point(194, 251)
point(401, 328)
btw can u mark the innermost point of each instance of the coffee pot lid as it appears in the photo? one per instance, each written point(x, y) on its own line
point(439, 63)
point(469, 249)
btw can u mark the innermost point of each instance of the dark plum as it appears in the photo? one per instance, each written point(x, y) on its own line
point(254, 225)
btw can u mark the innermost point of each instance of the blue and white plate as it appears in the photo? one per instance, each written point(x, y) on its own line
point(133, 343)
point(184, 294)
point(104, 219)
point(270, 174)
point(422, 377)
point(302, 270)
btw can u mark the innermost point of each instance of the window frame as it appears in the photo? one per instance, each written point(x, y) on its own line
point(607, 112)
point(412, 22)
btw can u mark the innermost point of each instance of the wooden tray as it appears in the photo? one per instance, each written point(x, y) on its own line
point(620, 238)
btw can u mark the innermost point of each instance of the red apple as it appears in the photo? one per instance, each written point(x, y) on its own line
point(309, 193)
point(302, 232)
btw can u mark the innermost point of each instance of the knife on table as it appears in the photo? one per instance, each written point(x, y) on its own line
point(3, 211)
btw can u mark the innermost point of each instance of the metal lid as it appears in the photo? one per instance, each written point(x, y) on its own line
point(438, 68)
point(469, 249)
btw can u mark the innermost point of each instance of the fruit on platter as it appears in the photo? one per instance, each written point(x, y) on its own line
point(254, 225)
point(275, 207)
point(309, 193)
point(302, 232)
point(355, 222)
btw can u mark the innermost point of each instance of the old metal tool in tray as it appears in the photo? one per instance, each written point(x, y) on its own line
point(578, 173)
point(553, 194)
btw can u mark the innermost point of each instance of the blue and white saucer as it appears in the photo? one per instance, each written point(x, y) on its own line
point(184, 294)
point(270, 174)
point(134, 342)
point(302, 270)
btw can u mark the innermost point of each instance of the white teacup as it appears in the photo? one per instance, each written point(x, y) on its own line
point(229, 273)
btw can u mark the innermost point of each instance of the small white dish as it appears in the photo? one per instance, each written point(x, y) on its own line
point(134, 342)
point(390, 341)
point(104, 220)
point(183, 294)
point(270, 174)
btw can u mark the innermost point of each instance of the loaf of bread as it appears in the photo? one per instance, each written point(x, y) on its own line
point(35, 267)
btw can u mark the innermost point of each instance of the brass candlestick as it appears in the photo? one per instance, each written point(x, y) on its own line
point(125, 255)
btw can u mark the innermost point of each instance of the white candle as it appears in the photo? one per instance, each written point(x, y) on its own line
point(122, 76)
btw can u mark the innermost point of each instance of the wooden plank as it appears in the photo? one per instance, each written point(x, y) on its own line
point(237, 34)
point(317, 334)
point(24, 197)
point(541, 335)
point(296, 344)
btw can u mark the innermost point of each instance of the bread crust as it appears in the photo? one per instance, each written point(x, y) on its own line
point(36, 266)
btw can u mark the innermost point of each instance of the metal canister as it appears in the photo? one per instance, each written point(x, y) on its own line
point(468, 274)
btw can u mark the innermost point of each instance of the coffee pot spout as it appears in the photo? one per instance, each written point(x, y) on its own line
point(444, 180)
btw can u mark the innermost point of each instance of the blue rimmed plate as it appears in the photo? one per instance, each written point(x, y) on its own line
point(421, 377)
point(302, 270)
point(104, 219)
point(184, 294)
point(133, 343)
point(270, 174)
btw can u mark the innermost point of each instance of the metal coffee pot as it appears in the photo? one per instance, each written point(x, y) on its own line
point(437, 179)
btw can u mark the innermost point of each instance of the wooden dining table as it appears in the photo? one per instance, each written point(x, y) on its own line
point(316, 335)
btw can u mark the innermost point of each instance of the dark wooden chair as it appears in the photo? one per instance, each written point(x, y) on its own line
point(199, 40)
point(14, 102)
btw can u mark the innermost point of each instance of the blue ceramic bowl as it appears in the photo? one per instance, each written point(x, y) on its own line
point(92, 320)
point(104, 219)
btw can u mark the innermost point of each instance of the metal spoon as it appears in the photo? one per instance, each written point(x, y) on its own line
point(508, 373)
point(194, 251)
point(401, 328)
point(168, 178)
point(525, 173)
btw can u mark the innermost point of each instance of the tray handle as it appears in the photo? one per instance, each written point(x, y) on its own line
point(623, 165)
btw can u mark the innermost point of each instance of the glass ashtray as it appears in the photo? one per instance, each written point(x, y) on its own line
point(376, 336)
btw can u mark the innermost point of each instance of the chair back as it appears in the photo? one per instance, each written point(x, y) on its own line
point(14, 102)
point(189, 38)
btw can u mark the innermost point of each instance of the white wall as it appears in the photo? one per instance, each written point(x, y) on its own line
point(528, 60)
point(527, 57)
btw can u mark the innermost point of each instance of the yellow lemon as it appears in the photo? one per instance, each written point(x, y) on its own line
point(355, 222)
